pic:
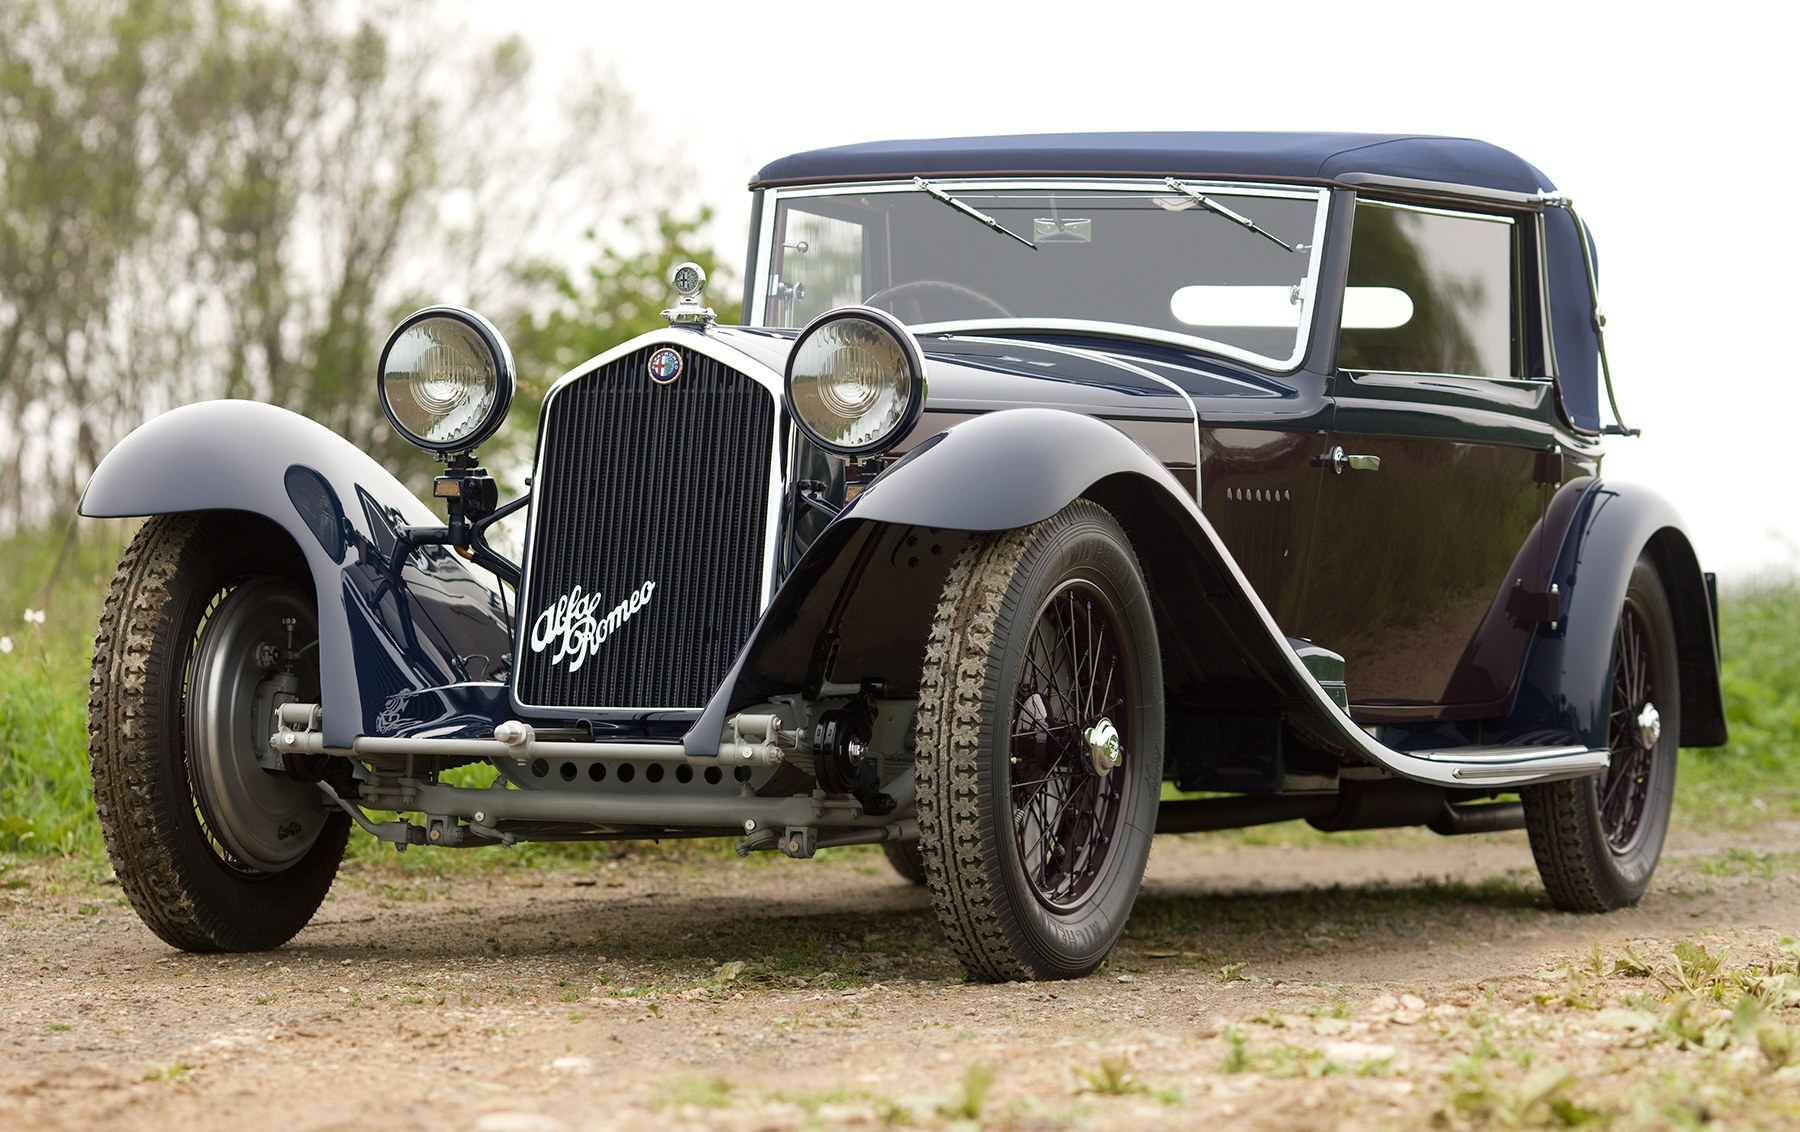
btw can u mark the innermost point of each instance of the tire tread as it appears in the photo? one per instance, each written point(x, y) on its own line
point(1579, 869)
point(141, 792)
point(953, 707)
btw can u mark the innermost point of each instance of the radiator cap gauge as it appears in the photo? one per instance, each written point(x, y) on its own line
point(689, 281)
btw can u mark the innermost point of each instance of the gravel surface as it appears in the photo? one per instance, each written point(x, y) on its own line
point(1265, 986)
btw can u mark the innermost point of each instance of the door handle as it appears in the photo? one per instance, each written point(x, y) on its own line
point(1341, 461)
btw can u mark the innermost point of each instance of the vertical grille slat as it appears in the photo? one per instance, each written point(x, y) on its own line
point(639, 482)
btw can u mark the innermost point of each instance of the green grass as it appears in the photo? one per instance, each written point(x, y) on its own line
point(46, 803)
point(1754, 778)
point(46, 807)
point(1697, 1039)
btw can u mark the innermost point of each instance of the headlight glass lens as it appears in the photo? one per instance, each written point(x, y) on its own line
point(444, 384)
point(855, 382)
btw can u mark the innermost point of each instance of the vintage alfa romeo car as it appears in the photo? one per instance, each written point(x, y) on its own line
point(1061, 490)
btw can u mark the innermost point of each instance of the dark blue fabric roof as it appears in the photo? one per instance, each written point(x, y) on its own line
point(1283, 156)
point(1309, 157)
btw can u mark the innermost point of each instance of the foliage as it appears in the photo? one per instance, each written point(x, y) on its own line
point(1754, 776)
point(619, 295)
point(46, 804)
point(1113, 1077)
point(205, 198)
point(697, 1092)
point(978, 1079)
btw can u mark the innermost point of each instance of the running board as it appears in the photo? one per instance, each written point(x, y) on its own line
point(1493, 766)
point(1320, 674)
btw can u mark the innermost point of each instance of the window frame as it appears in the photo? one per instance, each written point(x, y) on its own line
point(1306, 332)
point(1529, 349)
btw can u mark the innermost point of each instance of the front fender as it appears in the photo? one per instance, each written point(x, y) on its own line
point(1003, 470)
point(392, 623)
point(1566, 688)
point(860, 602)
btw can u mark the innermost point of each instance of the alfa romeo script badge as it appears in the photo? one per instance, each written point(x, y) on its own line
point(665, 366)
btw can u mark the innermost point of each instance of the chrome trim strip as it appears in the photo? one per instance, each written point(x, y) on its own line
point(1492, 766)
point(1547, 332)
point(1428, 210)
point(1061, 183)
point(1441, 188)
point(700, 341)
point(1524, 382)
point(1121, 363)
point(758, 314)
point(671, 808)
point(1546, 762)
point(1130, 331)
point(370, 745)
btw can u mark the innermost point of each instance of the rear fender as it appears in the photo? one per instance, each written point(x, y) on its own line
point(391, 624)
point(1566, 690)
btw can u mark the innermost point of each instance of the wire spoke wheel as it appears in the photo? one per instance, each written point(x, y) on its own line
point(1066, 811)
point(1625, 788)
point(1597, 840)
point(1040, 746)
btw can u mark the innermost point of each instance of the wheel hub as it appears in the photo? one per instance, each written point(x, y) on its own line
point(263, 819)
point(1649, 727)
point(1103, 745)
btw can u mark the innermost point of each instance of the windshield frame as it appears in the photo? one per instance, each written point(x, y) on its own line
point(774, 197)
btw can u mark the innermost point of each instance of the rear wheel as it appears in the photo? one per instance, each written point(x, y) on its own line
point(209, 625)
point(1040, 747)
point(1597, 839)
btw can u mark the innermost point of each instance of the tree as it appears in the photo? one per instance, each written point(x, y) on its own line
point(204, 198)
point(619, 295)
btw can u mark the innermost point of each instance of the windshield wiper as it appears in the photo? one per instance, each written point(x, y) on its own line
point(1212, 205)
point(936, 193)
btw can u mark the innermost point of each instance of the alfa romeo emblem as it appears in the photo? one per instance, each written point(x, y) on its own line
point(665, 366)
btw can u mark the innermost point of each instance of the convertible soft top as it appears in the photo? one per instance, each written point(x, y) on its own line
point(1312, 157)
point(1316, 158)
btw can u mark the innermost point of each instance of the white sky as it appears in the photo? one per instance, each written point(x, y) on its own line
point(1671, 127)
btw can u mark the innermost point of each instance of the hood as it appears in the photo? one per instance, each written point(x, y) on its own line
point(986, 369)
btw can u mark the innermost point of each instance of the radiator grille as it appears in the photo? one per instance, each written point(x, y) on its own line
point(655, 490)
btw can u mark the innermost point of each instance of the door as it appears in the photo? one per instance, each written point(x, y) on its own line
point(1430, 507)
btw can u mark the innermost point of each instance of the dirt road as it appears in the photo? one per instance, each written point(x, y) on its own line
point(1396, 981)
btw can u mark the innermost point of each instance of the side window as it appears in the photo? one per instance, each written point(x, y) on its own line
point(1429, 292)
point(820, 267)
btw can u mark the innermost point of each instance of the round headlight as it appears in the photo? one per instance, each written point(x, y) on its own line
point(855, 381)
point(446, 379)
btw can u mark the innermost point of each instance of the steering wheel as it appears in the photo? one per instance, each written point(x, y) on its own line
point(918, 287)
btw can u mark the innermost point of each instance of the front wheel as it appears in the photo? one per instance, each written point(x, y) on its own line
point(1040, 747)
point(1597, 839)
point(906, 860)
point(208, 627)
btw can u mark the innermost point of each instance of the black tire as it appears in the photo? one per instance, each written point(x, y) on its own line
point(906, 859)
point(1040, 634)
point(215, 852)
point(1597, 839)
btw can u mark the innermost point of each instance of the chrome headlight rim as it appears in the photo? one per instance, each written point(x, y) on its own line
point(499, 356)
point(912, 359)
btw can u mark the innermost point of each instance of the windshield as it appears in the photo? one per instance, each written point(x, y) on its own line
point(1173, 258)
